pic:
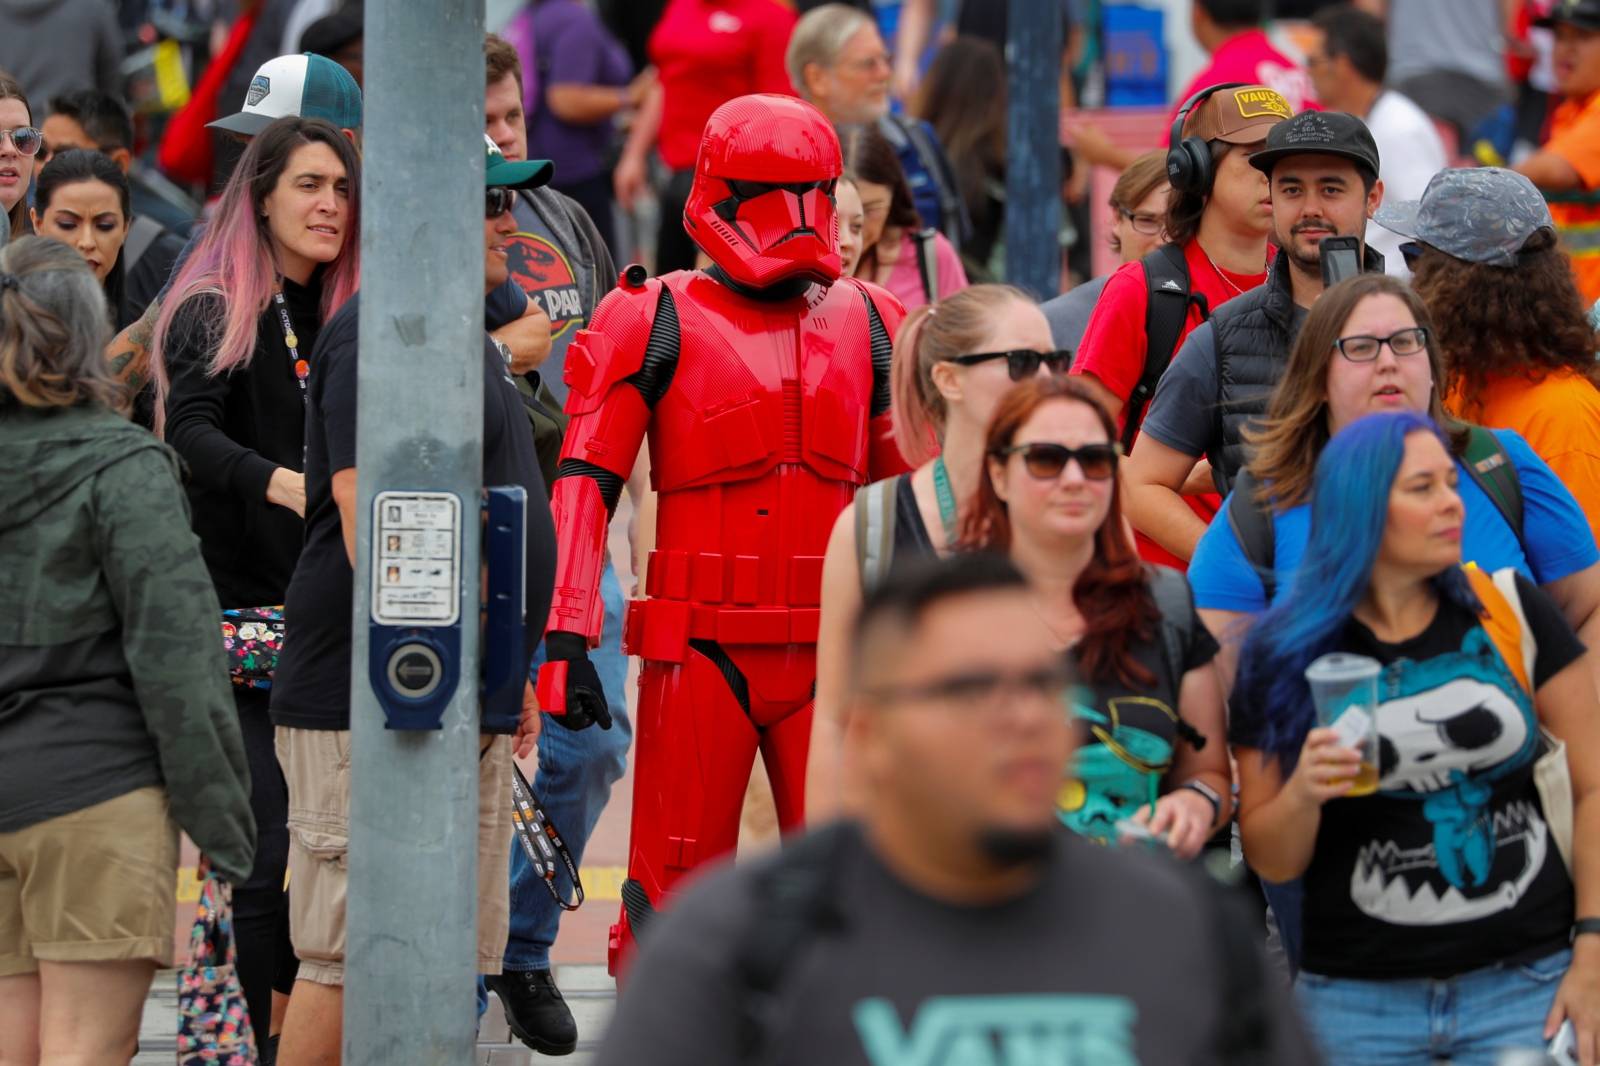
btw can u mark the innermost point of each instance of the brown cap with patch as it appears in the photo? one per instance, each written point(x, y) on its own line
point(1241, 115)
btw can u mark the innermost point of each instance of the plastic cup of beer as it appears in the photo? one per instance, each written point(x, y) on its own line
point(1345, 690)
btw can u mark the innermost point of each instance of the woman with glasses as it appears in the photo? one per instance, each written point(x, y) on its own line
point(1439, 911)
point(20, 141)
point(1138, 205)
point(230, 358)
point(953, 361)
point(1152, 761)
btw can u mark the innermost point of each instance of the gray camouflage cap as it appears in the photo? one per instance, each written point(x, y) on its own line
point(1479, 214)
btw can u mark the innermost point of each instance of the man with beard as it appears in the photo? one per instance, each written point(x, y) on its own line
point(1322, 167)
point(958, 919)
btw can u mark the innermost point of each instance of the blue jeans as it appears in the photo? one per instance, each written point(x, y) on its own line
point(576, 772)
point(1470, 1020)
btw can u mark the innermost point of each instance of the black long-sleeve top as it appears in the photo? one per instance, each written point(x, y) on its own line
point(233, 431)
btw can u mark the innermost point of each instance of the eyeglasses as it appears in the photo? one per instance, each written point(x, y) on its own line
point(27, 139)
point(982, 689)
point(1046, 461)
point(497, 200)
point(1364, 349)
point(1021, 363)
point(1149, 225)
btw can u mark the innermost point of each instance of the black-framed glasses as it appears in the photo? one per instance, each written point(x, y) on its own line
point(497, 200)
point(982, 689)
point(1021, 363)
point(1046, 461)
point(1364, 349)
point(27, 139)
point(1149, 225)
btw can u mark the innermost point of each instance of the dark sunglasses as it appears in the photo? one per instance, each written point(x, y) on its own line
point(27, 139)
point(1046, 461)
point(1021, 364)
point(497, 200)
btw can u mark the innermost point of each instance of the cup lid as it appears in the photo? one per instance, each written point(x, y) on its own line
point(1343, 666)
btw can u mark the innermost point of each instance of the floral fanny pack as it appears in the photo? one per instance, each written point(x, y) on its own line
point(252, 638)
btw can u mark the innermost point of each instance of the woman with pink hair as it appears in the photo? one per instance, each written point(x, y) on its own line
point(230, 358)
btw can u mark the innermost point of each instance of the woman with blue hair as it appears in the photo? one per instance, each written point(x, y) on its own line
point(1439, 910)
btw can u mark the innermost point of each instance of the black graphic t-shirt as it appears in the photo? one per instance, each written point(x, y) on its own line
point(1449, 866)
point(553, 278)
point(1131, 735)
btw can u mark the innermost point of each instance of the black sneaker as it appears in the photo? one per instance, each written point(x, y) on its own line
point(535, 1010)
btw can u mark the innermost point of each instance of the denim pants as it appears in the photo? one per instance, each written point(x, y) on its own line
point(576, 772)
point(1469, 1020)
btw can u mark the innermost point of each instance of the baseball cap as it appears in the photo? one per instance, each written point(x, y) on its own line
point(1241, 115)
point(1479, 214)
point(1584, 13)
point(529, 174)
point(1319, 133)
point(310, 86)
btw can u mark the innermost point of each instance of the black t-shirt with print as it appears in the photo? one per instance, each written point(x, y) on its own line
point(1131, 734)
point(1450, 866)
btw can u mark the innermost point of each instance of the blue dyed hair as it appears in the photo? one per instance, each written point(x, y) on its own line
point(1349, 510)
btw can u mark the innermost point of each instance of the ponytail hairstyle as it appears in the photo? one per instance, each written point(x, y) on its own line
point(1111, 593)
point(16, 219)
point(932, 334)
point(53, 329)
point(234, 261)
point(1349, 513)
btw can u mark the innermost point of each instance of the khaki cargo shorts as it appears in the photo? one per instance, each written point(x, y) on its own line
point(316, 766)
point(96, 885)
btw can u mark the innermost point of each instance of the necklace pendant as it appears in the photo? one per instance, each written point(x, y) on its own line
point(291, 340)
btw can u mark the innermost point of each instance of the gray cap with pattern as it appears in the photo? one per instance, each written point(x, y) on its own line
point(1480, 214)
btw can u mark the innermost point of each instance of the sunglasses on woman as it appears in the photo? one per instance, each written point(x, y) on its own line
point(27, 139)
point(1046, 461)
point(1021, 363)
point(497, 200)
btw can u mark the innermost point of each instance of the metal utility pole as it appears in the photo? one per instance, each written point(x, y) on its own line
point(411, 958)
point(1033, 146)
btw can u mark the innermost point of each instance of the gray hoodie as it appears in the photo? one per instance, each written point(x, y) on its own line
point(57, 46)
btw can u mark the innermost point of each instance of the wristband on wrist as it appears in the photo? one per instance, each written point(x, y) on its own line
point(1209, 794)
point(1585, 925)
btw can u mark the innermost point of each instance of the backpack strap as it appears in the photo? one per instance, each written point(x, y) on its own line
point(1175, 601)
point(1251, 522)
point(928, 263)
point(794, 905)
point(875, 521)
point(1504, 621)
point(1488, 464)
point(955, 222)
point(142, 233)
point(1166, 312)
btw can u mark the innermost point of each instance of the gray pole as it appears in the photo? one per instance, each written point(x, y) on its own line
point(410, 955)
point(1033, 146)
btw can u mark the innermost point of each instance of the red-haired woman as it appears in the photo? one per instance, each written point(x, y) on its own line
point(1154, 749)
point(230, 359)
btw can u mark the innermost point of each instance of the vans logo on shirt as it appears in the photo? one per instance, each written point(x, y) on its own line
point(1045, 1030)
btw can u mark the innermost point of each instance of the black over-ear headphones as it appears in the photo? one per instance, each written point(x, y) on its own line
point(1189, 158)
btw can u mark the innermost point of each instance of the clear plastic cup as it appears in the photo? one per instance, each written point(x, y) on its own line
point(1345, 690)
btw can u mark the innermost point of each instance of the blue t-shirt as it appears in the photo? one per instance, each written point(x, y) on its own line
point(1557, 533)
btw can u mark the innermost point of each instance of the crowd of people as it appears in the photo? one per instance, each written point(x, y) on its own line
point(1022, 596)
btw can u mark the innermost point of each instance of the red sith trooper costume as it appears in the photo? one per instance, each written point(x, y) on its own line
point(763, 386)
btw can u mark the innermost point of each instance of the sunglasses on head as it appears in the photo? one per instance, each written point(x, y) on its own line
point(497, 200)
point(1046, 461)
point(1021, 363)
point(27, 139)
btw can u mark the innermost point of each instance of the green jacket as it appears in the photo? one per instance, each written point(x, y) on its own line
point(112, 675)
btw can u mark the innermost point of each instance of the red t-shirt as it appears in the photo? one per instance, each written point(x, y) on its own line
point(1114, 346)
point(1251, 58)
point(706, 53)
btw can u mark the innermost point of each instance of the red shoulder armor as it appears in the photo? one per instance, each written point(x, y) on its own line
point(612, 347)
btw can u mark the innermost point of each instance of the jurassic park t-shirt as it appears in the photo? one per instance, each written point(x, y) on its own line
point(550, 275)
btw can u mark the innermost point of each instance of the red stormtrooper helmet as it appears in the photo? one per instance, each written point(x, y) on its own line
point(762, 202)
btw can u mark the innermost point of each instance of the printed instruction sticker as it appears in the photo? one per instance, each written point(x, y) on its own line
point(1353, 727)
point(416, 573)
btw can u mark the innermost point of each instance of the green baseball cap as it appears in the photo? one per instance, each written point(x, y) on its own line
point(310, 86)
point(529, 174)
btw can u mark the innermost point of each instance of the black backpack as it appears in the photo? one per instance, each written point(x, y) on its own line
point(1166, 275)
point(1487, 464)
point(796, 906)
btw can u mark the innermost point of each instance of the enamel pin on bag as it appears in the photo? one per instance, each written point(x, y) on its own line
point(213, 1022)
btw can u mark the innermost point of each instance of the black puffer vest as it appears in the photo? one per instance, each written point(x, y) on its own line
point(1253, 337)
